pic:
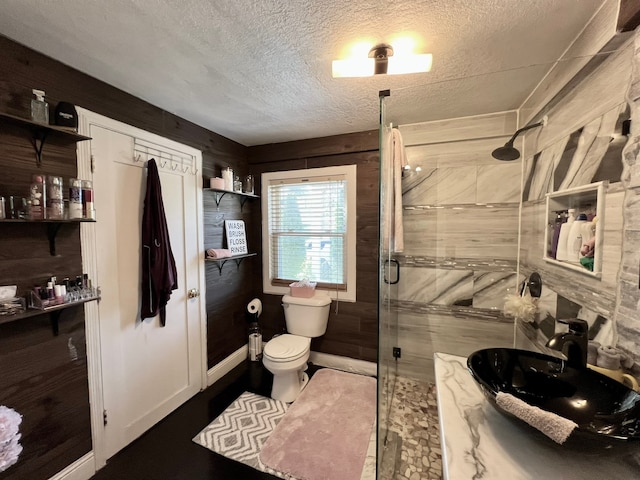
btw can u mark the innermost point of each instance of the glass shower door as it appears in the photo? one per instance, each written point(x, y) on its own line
point(387, 313)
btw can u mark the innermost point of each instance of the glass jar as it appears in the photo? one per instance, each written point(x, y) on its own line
point(75, 198)
point(237, 185)
point(38, 198)
point(55, 203)
point(227, 176)
point(247, 184)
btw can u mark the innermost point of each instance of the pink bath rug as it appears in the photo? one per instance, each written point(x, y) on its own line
point(325, 433)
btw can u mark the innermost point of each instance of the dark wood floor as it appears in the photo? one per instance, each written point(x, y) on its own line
point(166, 452)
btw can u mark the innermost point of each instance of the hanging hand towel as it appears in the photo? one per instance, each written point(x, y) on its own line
point(159, 275)
point(393, 162)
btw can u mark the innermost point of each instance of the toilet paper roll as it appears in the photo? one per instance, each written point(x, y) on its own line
point(255, 307)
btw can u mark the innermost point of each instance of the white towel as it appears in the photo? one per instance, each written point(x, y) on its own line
point(554, 426)
point(394, 160)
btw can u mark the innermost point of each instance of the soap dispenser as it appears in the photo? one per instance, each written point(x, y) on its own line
point(39, 108)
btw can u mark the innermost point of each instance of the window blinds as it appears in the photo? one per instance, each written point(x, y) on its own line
point(308, 230)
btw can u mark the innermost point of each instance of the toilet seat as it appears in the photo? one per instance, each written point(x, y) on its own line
point(287, 348)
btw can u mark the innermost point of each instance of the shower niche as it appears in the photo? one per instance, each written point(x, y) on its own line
point(575, 228)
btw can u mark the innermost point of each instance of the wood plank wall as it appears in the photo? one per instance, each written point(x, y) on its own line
point(352, 332)
point(39, 376)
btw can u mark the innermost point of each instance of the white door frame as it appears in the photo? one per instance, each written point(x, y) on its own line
point(87, 118)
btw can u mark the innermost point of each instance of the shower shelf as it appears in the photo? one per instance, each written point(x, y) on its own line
point(584, 198)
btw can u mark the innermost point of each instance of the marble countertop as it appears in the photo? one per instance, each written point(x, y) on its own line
point(480, 443)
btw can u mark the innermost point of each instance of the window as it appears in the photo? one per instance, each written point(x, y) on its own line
point(308, 230)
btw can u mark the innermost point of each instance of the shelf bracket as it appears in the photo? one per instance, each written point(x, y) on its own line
point(54, 318)
point(243, 200)
point(38, 141)
point(218, 197)
point(52, 231)
point(220, 263)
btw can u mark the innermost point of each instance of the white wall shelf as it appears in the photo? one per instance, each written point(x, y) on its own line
point(583, 199)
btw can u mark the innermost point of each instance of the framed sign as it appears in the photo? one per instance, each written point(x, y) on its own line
point(236, 237)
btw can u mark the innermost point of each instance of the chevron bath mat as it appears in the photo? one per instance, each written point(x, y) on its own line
point(241, 430)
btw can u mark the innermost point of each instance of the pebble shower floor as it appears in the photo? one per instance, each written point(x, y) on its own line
point(414, 416)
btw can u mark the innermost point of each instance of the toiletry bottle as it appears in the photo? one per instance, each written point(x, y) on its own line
point(87, 200)
point(75, 198)
point(588, 230)
point(39, 108)
point(562, 253)
point(561, 217)
point(38, 198)
point(574, 241)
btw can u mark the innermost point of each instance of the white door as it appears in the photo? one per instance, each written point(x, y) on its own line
point(146, 370)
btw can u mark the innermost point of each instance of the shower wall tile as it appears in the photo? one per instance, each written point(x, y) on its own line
point(453, 154)
point(459, 129)
point(420, 188)
point(543, 165)
point(491, 288)
point(471, 232)
point(436, 286)
point(499, 183)
point(456, 185)
point(592, 146)
point(420, 336)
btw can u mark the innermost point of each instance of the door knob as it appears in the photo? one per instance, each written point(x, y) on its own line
point(193, 293)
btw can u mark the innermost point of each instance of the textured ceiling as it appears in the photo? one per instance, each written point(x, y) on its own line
point(259, 71)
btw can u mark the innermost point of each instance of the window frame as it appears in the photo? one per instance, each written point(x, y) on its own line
point(350, 173)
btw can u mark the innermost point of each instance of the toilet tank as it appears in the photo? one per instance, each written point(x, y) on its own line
point(307, 317)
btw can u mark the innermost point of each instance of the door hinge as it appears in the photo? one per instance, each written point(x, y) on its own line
point(397, 352)
point(104, 417)
point(92, 164)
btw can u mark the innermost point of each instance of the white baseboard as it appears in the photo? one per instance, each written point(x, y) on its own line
point(344, 363)
point(82, 469)
point(225, 366)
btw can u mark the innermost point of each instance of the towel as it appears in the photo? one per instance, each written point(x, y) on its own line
point(394, 160)
point(554, 426)
point(218, 253)
point(592, 352)
point(608, 357)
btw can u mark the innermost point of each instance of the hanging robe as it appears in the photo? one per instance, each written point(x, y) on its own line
point(159, 275)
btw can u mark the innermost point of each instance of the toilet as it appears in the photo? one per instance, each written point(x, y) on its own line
point(286, 355)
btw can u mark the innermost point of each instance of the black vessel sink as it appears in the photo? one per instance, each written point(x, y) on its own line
point(598, 404)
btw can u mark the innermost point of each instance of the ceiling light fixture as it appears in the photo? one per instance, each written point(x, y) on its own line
point(381, 60)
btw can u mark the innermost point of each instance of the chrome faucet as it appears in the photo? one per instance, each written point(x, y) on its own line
point(573, 344)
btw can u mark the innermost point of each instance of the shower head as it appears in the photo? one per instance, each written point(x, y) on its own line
point(509, 152)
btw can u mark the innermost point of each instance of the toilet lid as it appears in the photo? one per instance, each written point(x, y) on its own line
point(285, 348)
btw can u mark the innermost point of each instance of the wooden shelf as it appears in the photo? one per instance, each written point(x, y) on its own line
point(52, 227)
point(54, 312)
point(47, 220)
point(40, 132)
point(221, 193)
point(236, 258)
